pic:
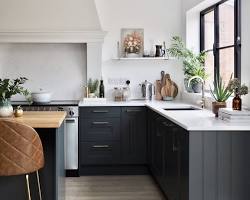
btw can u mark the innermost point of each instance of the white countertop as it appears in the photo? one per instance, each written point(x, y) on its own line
point(191, 120)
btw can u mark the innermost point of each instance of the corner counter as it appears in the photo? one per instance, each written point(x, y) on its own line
point(50, 127)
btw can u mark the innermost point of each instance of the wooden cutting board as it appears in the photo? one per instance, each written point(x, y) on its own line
point(170, 88)
point(158, 87)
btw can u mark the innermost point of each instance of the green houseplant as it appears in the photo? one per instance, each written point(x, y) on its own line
point(92, 87)
point(193, 64)
point(220, 92)
point(9, 88)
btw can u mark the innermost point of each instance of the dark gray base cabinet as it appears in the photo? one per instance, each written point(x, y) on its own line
point(112, 136)
point(168, 156)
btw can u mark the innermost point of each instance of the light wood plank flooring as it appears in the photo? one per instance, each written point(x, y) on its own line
point(112, 188)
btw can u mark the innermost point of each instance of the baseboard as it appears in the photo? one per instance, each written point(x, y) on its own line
point(114, 170)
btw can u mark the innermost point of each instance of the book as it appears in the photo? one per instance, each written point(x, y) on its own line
point(230, 111)
point(228, 116)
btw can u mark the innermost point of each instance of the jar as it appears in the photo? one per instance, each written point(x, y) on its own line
point(118, 94)
point(126, 93)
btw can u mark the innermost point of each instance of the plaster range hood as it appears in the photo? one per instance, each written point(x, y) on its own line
point(49, 21)
point(54, 21)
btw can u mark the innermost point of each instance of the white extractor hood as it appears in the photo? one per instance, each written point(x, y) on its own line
point(49, 21)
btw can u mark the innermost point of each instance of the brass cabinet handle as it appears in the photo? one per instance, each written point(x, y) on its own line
point(131, 110)
point(100, 123)
point(101, 146)
point(167, 124)
point(100, 111)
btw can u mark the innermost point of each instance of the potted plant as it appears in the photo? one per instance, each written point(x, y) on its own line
point(92, 87)
point(220, 93)
point(238, 90)
point(9, 88)
point(193, 64)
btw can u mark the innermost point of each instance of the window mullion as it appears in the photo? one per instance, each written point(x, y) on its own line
point(216, 43)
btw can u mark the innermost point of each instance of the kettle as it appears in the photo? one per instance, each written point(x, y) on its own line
point(146, 90)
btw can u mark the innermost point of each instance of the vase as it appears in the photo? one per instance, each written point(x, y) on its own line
point(197, 87)
point(132, 55)
point(237, 102)
point(216, 106)
point(6, 109)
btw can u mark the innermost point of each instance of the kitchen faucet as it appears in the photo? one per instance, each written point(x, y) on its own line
point(202, 103)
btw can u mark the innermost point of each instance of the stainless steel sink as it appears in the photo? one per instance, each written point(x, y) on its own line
point(181, 109)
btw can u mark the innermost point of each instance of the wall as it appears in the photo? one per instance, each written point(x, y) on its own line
point(161, 19)
point(59, 68)
point(245, 71)
point(48, 15)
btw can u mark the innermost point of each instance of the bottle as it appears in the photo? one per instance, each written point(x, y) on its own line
point(237, 103)
point(101, 89)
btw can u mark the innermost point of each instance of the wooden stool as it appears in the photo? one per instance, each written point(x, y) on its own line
point(21, 152)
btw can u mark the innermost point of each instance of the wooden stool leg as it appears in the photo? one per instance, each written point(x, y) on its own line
point(39, 185)
point(28, 186)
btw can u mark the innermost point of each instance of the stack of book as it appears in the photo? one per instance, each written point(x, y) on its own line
point(230, 115)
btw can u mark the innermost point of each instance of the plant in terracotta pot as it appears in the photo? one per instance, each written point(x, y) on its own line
point(9, 88)
point(220, 93)
point(193, 64)
point(238, 90)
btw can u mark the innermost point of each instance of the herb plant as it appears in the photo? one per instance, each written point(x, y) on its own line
point(93, 85)
point(236, 87)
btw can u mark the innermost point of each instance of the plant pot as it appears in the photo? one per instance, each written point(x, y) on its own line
point(197, 87)
point(217, 105)
point(188, 89)
point(6, 109)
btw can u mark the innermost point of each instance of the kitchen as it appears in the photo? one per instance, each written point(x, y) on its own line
point(114, 151)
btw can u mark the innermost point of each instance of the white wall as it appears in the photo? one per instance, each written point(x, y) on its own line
point(245, 66)
point(59, 68)
point(48, 15)
point(161, 19)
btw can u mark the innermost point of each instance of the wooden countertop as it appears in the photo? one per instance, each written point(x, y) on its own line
point(41, 119)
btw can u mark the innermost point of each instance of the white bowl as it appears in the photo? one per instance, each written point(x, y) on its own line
point(41, 97)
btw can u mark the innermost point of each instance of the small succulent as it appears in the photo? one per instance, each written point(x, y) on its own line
point(236, 87)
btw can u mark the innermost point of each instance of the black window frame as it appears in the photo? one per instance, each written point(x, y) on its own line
point(216, 47)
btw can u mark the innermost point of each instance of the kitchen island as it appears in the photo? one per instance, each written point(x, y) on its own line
point(50, 127)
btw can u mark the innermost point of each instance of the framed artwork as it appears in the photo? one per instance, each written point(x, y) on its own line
point(132, 42)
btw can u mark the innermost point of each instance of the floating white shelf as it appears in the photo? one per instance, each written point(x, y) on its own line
point(145, 58)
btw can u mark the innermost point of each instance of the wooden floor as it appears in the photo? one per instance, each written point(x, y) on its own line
point(112, 188)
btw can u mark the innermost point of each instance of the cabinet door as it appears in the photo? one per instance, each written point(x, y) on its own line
point(134, 135)
point(171, 161)
point(157, 151)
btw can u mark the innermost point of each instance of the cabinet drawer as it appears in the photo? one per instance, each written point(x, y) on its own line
point(94, 112)
point(100, 129)
point(100, 153)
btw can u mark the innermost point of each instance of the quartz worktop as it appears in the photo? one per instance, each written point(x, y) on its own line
point(191, 120)
point(41, 119)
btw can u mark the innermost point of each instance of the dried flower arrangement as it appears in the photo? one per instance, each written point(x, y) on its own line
point(236, 87)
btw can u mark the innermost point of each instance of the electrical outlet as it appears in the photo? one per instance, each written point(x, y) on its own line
point(117, 81)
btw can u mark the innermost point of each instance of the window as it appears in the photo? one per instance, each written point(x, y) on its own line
point(221, 39)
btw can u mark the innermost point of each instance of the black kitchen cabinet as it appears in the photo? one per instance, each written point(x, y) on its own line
point(134, 135)
point(168, 156)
